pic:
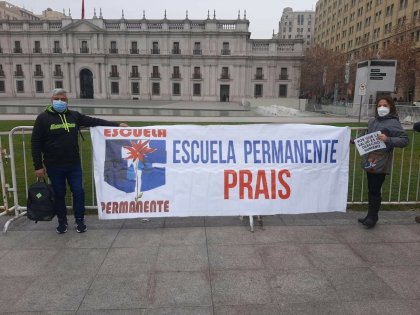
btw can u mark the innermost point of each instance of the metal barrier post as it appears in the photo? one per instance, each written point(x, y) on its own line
point(19, 211)
point(5, 205)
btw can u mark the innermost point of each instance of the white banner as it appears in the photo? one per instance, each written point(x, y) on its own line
point(220, 170)
point(369, 143)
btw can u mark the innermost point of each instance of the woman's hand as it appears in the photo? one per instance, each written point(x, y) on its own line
point(383, 137)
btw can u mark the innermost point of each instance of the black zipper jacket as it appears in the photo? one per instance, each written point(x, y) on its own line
point(55, 137)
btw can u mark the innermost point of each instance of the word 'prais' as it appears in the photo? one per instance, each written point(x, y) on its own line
point(264, 184)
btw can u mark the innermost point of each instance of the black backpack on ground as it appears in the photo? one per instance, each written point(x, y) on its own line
point(40, 203)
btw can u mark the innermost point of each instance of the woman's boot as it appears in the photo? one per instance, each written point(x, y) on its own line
point(372, 217)
point(363, 219)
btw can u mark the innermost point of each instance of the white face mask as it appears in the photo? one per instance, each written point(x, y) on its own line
point(383, 111)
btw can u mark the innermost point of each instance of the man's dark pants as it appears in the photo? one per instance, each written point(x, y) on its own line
point(74, 177)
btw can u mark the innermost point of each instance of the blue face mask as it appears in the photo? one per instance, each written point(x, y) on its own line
point(59, 106)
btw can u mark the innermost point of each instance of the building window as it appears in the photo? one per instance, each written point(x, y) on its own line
point(135, 88)
point(258, 90)
point(20, 87)
point(1, 71)
point(389, 10)
point(56, 49)
point(114, 72)
point(38, 71)
point(176, 74)
point(57, 71)
point(175, 49)
point(259, 74)
point(115, 88)
point(39, 86)
point(283, 90)
point(84, 47)
point(58, 84)
point(176, 89)
point(197, 89)
point(225, 49)
point(155, 72)
point(155, 48)
point(197, 73)
point(19, 71)
point(134, 72)
point(197, 48)
point(37, 47)
point(225, 73)
point(283, 74)
point(134, 48)
point(17, 48)
point(2, 87)
point(113, 48)
point(155, 88)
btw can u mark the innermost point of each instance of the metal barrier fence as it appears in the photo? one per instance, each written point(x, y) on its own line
point(408, 114)
point(401, 187)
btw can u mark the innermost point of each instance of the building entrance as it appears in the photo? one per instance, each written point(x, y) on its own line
point(86, 83)
point(224, 93)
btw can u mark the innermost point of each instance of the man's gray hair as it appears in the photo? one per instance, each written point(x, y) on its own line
point(58, 92)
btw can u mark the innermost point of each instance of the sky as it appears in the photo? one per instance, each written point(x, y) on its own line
point(263, 15)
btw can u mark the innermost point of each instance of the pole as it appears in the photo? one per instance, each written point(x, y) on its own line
point(83, 9)
point(360, 108)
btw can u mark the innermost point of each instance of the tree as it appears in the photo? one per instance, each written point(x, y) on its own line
point(402, 49)
point(400, 45)
point(322, 69)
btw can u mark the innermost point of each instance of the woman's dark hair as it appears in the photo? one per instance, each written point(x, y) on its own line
point(390, 101)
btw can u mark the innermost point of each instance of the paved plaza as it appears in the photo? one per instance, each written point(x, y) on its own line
point(165, 111)
point(297, 264)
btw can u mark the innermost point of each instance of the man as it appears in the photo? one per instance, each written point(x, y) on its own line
point(55, 151)
point(416, 127)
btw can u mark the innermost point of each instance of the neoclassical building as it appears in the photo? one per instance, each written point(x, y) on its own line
point(208, 60)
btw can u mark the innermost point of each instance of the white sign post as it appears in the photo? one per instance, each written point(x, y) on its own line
point(362, 89)
point(362, 92)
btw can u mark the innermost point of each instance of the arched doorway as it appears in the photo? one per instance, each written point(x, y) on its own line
point(86, 83)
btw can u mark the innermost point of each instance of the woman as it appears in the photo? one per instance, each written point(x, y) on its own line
point(378, 163)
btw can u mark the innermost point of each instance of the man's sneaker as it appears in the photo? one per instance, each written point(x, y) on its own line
point(62, 227)
point(80, 226)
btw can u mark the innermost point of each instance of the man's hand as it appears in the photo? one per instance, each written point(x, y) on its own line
point(123, 125)
point(40, 172)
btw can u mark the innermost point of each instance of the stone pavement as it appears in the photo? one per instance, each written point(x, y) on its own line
point(298, 264)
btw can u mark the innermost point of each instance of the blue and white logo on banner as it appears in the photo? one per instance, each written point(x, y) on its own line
point(121, 170)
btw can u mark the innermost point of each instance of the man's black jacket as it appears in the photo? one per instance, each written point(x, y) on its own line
point(55, 137)
point(416, 126)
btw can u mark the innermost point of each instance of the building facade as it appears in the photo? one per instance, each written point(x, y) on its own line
point(348, 25)
point(13, 12)
point(10, 11)
point(299, 24)
point(163, 59)
point(351, 26)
